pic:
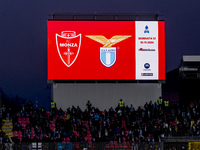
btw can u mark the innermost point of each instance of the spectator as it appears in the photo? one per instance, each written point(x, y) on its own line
point(53, 105)
point(89, 105)
point(143, 124)
point(121, 103)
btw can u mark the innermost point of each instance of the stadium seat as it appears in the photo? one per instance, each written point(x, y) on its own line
point(111, 144)
point(23, 125)
point(124, 145)
point(19, 136)
point(27, 121)
point(23, 122)
point(67, 140)
point(23, 119)
point(75, 133)
point(19, 132)
point(48, 114)
point(63, 140)
point(19, 120)
point(123, 139)
point(32, 132)
point(88, 132)
point(120, 146)
point(87, 126)
point(116, 144)
point(32, 136)
point(128, 145)
point(76, 145)
point(15, 133)
point(56, 116)
point(126, 132)
point(29, 136)
point(41, 137)
point(107, 146)
point(89, 139)
point(92, 146)
point(89, 135)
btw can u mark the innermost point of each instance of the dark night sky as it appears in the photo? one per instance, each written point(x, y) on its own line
point(23, 36)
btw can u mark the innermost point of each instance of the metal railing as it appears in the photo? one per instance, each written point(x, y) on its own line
point(81, 146)
point(178, 143)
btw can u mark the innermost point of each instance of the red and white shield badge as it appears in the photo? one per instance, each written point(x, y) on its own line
point(68, 46)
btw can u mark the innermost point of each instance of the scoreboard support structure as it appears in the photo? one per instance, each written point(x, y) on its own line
point(105, 95)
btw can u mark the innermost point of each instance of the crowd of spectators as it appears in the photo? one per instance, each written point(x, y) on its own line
point(145, 124)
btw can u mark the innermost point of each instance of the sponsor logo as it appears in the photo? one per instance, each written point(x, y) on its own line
point(147, 66)
point(146, 49)
point(146, 29)
point(108, 54)
point(146, 74)
point(68, 46)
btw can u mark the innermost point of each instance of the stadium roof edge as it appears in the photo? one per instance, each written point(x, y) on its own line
point(191, 58)
point(106, 16)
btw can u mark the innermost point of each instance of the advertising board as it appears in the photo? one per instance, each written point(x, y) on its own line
point(106, 50)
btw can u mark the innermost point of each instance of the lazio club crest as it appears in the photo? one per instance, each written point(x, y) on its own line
point(68, 46)
point(107, 52)
point(108, 56)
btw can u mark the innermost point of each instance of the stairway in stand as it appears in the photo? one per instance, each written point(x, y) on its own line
point(8, 127)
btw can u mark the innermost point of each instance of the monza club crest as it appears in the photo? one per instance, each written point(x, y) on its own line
point(68, 46)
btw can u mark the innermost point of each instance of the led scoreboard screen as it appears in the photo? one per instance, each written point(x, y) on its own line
point(106, 50)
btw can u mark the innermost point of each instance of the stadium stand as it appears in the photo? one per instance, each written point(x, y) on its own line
point(117, 127)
